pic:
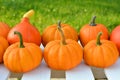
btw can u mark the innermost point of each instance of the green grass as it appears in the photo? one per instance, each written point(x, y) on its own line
point(77, 13)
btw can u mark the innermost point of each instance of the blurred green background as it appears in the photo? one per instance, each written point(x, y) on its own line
point(76, 13)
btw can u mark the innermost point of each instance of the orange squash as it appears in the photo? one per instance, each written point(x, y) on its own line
point(4, 29)
point(3, 46)
point(115, 36)
point(63, 54)
point(22, 57)
point(29, 32)
point(89, 32)
point(52, 33)
point(100, 53)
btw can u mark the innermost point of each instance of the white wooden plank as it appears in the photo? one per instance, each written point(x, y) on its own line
point(40, 73)
point(4, 73)
point(81, 72)
point(113, 72)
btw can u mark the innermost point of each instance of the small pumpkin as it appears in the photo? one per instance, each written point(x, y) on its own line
point(115, 36)
point(3, 46)
point(63, 54)
point(4, 29)
point(21, 56)
point(89, 32)
point(28, 31)
point(100, 53)
point(52, 33)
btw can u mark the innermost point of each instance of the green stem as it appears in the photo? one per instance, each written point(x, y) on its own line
point(92, 23)
point(20, 37)
point(98, 43)
point(62, 34)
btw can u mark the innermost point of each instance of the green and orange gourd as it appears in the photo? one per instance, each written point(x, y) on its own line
point(29, 32)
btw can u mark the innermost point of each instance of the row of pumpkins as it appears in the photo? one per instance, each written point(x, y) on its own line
point(20, 51)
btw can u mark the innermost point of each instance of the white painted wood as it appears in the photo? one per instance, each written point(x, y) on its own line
point(113, 72)
point(4, 73)
point(81, 72)
point(40, 73)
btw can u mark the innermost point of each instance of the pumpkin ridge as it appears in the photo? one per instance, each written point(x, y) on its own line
point(22, 52)
point(88, 52)
point(63, 51)
point(20, 64)
point(94, 55)
point(102, 53)
point(7, 59)
point(12, 63)
point(51, 51)
point(27, 49)
point(75, 47)
point(109, 47)
point(69, 54)
point(110, 56)
point(111, 50)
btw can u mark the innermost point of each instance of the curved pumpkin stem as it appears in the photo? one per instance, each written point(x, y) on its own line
point(20, 37)
point(61, 32)
point(28, 14)
point(92, 23)
point(98, 43)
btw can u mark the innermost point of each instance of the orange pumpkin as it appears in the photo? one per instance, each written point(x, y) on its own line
point(52, 33)
point(89, 32)
point(100, 53)
point(115, 37)
point(28, 31)
point(4, 29)
point(3, 46)
point(63, 54)
point(22, 57)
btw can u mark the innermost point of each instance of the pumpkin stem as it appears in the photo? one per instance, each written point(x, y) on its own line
point(92, 23)
point(61, 32)
point(28, 14)
point(20, 37)
point(98, 43)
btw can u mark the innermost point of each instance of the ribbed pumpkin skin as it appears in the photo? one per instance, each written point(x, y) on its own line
point(22, 59)
point(4, 29)
point(29, 32)
point(88, 33)
point(3, 46)
point(63, 57)
point(52, 33)
point(101, 56)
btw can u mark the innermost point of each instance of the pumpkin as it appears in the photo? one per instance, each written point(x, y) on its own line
point(89, 32)
point(52, 33)
point(22, 57)
point(3, 46)
point(29, 32)
point(115, 36)
point(4, 29)
point(100, 53)
point(63, 54)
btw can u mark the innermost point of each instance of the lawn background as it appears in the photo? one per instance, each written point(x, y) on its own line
point(76, 13)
